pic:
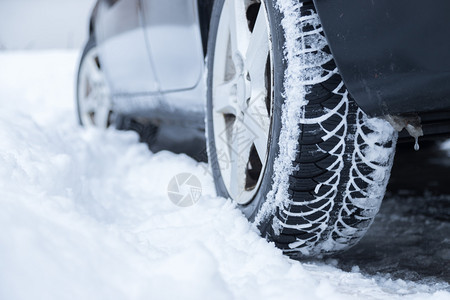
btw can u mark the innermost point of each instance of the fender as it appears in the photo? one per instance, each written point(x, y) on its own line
point(394, 56)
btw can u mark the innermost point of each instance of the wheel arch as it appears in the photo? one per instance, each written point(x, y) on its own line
point(387, 56)
point(92, 18)
point(204, 12)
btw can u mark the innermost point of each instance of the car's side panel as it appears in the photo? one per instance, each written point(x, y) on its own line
point(174, 41)
point(394, 56)
point(123, 49)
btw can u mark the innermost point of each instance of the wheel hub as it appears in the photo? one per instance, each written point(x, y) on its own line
point(244, 89)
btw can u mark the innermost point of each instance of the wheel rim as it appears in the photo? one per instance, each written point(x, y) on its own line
point(93, 93)
point(242, 96)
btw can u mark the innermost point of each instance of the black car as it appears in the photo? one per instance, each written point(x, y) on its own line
point(302, 99)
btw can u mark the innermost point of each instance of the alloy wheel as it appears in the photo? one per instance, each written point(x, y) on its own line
point(242, 96)
point(94, 102)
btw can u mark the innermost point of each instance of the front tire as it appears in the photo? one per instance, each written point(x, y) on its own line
point(286, 141)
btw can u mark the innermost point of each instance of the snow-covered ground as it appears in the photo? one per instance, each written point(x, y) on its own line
point(85, 214)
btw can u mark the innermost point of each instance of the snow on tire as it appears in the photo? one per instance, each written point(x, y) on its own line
point(327, 163)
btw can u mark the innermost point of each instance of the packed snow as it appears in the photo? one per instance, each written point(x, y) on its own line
point(85, 214)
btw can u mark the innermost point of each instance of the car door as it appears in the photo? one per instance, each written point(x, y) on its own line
point(174, 42)
point(123, 48)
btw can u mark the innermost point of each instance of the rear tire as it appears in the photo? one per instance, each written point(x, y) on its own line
point(321, 180)
point(94, 105)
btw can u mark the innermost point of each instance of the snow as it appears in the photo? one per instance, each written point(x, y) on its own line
point(85, 214)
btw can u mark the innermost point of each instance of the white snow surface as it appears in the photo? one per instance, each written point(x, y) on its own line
point(84, 214)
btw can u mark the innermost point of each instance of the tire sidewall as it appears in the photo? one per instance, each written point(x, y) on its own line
point(279, 66)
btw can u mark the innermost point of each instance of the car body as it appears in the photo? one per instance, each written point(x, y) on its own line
point(161, 75)
point(392, 63)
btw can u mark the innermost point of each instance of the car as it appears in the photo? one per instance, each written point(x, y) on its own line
point(301, 101)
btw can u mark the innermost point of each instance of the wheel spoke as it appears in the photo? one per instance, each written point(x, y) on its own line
point(239, 33)
point(101, 116)
point(89, 104)
point(240, 143)
point(225, 98)
point(257, 52)
point(94, 72)
point(234, 184)
point(258, 122)
point(222, 55)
